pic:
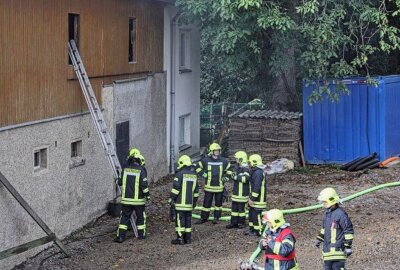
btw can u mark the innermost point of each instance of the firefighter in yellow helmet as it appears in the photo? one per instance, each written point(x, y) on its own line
point(240, 191)
point(279, 242)
point(258, 200)
point(183, 196)
point(336, 235)
point(135, 192)
point(215, 170)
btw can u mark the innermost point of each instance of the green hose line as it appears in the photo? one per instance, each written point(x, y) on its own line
point(314, 207)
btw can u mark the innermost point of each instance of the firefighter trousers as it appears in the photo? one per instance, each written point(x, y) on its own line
point(238, 214)
point(183, 225)
point(255, 223)
point(334, 265)
point(208, 198)
point(124, 221)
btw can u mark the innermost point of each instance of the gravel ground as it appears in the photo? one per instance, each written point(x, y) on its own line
point(375, 218)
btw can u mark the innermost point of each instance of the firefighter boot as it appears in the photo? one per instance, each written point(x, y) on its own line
point(231, 226)
point(187, 238)
point(177, 241)
point(120, 236)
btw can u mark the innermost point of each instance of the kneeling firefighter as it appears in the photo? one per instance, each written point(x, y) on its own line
point(279, 243)
point(183, 196)
point(134, 194)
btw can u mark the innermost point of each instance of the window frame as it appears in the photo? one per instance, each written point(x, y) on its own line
point(75, 33)
point(184, 41)
point(132, 46)
point(185, 130)
point(42, 154)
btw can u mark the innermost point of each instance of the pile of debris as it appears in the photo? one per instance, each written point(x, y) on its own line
point(273, 134)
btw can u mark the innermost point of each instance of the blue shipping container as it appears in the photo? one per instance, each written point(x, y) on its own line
point(366, 121)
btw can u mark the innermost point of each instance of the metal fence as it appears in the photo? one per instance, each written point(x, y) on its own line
point(214, 119)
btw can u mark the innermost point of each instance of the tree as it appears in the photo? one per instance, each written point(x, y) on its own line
point(266, 49)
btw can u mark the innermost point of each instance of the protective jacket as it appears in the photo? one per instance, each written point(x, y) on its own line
point(134, 186)
point(241, 185)
point(336, 233)
point(185, 190)
point(258, 188)
point(280, 251)
point(213, 170)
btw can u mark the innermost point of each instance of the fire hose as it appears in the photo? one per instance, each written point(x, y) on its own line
point(250, 263)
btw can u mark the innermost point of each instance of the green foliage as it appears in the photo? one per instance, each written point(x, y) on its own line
point(245, 43)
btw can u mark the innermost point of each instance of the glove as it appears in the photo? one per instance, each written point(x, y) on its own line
point(348, 252)
point(317, 243)
point(225, 179)
point(204, 175)
point(171, 202)
point(234, 176)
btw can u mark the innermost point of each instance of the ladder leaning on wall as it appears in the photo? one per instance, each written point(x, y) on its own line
point(97, 117)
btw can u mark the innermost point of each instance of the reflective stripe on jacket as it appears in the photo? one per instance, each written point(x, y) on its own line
point(134, 186)
point(185, 190)
point(258, 188)
point(336, 233)
point(213, 170)
point(241, 186)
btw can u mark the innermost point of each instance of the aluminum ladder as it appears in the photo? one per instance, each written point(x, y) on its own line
point(97, 117)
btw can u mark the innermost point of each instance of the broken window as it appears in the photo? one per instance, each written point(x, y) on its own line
point(73, 30)
point(132, 40)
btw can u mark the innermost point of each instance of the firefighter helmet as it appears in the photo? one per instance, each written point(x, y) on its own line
point(133, 152)
point(255, 160)
point(274, 218)
point(241, 157)
point(184, 161)
point(214, 147)
point(329, 197)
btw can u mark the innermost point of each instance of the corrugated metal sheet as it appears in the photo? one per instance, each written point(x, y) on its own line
point(264, 114)
point(366, 121)
point(36, 81)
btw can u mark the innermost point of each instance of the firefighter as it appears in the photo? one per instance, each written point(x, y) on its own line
point(279, 242)
point(183, 197)
point(336, 235)
point(240, 191)
point(134, 194)
point(216, 171)
point(258, 200)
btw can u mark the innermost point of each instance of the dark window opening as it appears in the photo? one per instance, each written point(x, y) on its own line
point(132, 40)
point(73, 30)
point(40, 159)
point(76, 149)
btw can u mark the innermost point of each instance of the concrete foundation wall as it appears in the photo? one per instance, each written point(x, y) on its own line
point(66, 195)
point(142, 102)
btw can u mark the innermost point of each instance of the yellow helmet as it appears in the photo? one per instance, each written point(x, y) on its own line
point(134, 152)
point(255, 160)
point(184, 161)
point(214, 147)
point(241, 157)
point(329, 196)
point(275, 218)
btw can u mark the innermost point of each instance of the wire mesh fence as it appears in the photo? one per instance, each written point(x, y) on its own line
point(214, 119)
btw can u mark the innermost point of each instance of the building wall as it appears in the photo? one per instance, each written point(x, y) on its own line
point(36, 81)
point(142, 102)
point(186, 84)
point(65, 197)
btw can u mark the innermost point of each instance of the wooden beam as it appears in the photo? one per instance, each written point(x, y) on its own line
point(24, 247)
point(30, 211)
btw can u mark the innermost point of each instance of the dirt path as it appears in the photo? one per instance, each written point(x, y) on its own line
point(375, 218)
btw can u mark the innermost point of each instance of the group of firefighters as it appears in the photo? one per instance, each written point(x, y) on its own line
point(249, 189)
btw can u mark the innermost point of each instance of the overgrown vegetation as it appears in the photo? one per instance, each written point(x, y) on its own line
point(265, 49)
